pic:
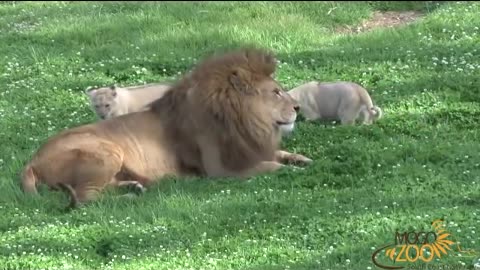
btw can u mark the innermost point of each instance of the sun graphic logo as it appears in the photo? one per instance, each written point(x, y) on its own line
point(411, 247)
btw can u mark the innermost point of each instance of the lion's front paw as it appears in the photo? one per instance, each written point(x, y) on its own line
point(298, 159)
point(304, 160)
point(128, 196)
point(140, 189)
point(296, 168)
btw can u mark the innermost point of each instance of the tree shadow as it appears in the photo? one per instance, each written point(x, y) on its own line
point(341, 63)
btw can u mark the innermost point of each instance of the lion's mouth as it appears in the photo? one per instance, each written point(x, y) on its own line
point(280, 123)
point(286, 127)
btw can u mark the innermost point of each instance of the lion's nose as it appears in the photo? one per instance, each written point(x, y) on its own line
point(296, 108)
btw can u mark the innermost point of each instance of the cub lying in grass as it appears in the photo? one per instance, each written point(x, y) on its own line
point(113, 101)
point(344, 101)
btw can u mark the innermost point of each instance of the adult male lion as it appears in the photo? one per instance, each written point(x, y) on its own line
point(221, 120)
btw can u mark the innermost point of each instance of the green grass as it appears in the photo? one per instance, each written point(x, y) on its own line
point(419, 163)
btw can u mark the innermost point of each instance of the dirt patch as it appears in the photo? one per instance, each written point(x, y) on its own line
point(385, 19)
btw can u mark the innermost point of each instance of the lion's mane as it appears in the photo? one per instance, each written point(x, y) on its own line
point(221, 99)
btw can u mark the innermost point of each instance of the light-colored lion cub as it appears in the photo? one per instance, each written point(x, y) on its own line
point(344, 101)
point(113, 101)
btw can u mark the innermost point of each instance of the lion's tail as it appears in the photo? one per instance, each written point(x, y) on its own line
point(71, 192)
point(29, 180)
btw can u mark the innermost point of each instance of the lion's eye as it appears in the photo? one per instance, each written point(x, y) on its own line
point(277, 92)
point(107, 106)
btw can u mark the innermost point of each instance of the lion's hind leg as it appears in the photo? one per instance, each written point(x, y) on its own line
point(80, 195)
point(90, 190)
point(88, 171)
point(132, 180)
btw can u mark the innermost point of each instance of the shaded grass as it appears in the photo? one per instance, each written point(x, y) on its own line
point(418, 164)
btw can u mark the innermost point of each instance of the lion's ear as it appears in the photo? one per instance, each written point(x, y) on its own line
point(238, 79)
point(270, 64)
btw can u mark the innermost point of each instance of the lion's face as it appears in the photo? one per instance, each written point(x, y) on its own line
point(103, 101)
point(279, 105)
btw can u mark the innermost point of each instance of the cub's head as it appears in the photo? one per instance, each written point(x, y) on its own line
point(103, 100)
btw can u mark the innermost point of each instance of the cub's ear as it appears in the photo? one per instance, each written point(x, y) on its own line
point(90, 91)
point(240, 82)
point(113, 87)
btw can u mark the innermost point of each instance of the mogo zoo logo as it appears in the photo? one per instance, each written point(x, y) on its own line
point(411, 247)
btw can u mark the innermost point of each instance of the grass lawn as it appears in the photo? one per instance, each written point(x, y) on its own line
point(421, 162)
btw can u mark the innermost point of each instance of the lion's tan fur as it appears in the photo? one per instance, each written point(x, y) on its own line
point(113, 101)
point(222, 119)
point(344, 101)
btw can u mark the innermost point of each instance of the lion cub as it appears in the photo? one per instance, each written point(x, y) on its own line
point(113, 101)
point(344, 101)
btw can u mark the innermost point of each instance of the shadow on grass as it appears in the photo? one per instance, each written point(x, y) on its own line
point(425, 6)
point(224, 223)
point(334, 63)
